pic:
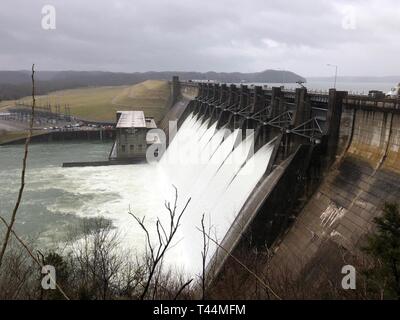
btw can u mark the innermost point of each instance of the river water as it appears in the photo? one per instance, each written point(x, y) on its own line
point(56, 199)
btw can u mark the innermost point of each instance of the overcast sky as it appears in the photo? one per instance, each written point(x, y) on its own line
point(361, 37)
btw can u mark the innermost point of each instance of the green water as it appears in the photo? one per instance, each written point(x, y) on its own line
point(56, 199)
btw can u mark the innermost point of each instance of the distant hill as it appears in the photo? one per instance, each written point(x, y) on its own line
point(16, 84)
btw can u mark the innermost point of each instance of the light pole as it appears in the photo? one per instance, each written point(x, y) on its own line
point(336, 69)
point(283, 76)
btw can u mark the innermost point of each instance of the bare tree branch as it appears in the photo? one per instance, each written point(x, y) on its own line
point(204, 253)
point(157, 253)
point(22, 186)
point(182, 288)
point(32, 255)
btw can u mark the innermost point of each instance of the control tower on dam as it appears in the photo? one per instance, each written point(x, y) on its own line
point(334, 164)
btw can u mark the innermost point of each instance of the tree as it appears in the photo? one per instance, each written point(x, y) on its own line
point(155, 253)
point(384, 247)
point(62, 276)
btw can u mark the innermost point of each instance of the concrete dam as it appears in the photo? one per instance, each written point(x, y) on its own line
point(326, 164)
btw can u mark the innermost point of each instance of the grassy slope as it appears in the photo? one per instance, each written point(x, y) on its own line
point(101, 103)
point(6, 103)
point(150, 96)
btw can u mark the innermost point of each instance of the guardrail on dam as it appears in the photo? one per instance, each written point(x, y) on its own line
point(336, 162)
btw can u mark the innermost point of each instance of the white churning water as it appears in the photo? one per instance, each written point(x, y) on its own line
point(213, 167)
point(218, 172)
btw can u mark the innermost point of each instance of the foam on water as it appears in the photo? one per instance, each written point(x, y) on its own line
point(218, 173)
point(54, 195)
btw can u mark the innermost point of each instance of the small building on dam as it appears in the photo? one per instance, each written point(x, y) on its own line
point(131, 136)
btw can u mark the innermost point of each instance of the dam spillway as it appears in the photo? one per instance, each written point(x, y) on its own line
point(334, 156)
point(218, 170)
point(231, 142)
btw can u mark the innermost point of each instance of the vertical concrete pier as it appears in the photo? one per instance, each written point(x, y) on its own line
point(175, 90)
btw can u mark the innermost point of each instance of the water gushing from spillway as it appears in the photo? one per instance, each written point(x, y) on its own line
point(213, 167)
point(218, 171)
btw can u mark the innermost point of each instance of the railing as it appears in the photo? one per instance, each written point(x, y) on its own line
point(369, 103)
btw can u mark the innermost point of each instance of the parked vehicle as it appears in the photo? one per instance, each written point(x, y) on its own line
point(376, 94)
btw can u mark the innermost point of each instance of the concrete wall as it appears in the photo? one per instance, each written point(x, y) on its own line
point(365, 175)
point(78, 135)
point(172, 117)
point(187, 93)
point(189, 90)
point(262, 217)
point(131, 143)
point(175, 90)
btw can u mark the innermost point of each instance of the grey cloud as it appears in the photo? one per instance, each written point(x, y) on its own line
point(223, 35)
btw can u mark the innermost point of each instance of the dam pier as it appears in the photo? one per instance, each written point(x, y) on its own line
point(334, 164)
